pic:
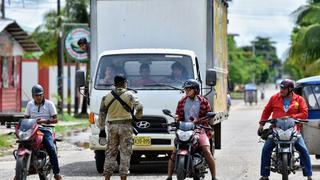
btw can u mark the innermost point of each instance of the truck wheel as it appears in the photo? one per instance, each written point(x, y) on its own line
point(99, 157)
point(135, 159)
point(181, 171)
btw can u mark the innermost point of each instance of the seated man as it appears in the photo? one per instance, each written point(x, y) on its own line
point(108, 75)
point(178, 74)
point(145, 76)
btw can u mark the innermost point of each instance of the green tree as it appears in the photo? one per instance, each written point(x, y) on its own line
point(46, 34)
point(304, 52)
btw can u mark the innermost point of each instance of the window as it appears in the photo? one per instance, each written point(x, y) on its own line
point(312, 95)
point(145, 71)
point(5, 73)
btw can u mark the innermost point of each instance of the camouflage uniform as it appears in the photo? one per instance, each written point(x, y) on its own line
point(120, 130)
point(119, 135)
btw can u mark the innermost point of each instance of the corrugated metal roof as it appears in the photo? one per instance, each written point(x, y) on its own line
point(19, 35)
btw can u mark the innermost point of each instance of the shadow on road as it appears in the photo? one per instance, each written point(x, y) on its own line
point(88, 168)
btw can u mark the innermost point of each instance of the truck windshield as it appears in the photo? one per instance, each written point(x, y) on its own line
point(312, 95)
point(145, 71)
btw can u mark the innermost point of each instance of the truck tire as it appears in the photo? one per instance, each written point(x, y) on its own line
point(21, 165)
point(284, 167)
point(99, 157)
point(181, 170)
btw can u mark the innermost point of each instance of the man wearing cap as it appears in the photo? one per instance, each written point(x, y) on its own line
point(285, 104)
point(120, 130)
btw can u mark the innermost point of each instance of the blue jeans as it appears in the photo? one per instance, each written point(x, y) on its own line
point(299, 145)
point(50, 147)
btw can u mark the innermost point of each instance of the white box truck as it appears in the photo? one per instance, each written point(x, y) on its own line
point(159, 34)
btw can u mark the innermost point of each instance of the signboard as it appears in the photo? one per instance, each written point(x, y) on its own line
point(71, 43)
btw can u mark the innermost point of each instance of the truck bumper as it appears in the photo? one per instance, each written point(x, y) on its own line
point(159, 142)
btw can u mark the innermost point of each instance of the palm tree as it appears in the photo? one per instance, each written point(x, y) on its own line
point(305, 47)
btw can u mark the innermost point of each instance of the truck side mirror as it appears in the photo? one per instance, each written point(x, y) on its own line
point(80, 78)
point(211, 77)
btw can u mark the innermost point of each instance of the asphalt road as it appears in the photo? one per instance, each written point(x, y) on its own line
point(239, 158)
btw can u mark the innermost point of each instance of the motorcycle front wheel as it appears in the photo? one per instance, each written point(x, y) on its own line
point(181, 170)
point(21, 168)
point(285, 171)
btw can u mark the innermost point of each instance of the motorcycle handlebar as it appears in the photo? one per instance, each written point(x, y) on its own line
point(297, 121)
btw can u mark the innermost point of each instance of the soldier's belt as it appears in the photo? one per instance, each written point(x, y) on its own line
point(119, 122)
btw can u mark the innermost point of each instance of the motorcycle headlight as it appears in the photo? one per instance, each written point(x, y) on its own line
point(25, 135)
point(285, 135)
point(184, 135)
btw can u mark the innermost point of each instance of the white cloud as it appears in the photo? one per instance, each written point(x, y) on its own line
point(268, 18)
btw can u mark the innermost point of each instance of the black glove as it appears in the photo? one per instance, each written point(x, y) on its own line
point(102, 133)
point(260, 131)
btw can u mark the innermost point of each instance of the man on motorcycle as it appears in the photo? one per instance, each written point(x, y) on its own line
point(284, 104)
point(45, 112)
point(193, 107)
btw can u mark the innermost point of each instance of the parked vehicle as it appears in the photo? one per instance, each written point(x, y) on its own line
point(250, 94)
point(31, 156)
point(190, 162)
point(309, 89)
point(284, 156)
point(161, 35)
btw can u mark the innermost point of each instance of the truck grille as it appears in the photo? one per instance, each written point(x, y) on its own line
point(153, 124)
point(160, 141)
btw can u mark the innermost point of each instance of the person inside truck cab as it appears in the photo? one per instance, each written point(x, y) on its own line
point(179, 74)
point(108, 75)
point(193, 107)
point(144, 79)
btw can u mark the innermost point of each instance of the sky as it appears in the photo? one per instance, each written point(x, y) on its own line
point(247, 18)
point(266, 18)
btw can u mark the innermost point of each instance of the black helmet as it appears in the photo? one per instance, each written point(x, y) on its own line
point(191, 83)
point(37, 89)
point(82, 41)
point(287, 83)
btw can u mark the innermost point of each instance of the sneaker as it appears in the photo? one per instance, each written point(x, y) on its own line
point(169, 178)
point(264, 178)
point(214, 178)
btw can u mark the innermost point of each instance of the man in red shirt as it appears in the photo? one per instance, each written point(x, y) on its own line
point(285, 104)
point(192, 107)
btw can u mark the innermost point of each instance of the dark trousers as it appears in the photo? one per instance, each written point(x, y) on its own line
point(299, 145)
point(50, 147)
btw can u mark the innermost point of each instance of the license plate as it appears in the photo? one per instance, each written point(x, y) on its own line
point(142, 141)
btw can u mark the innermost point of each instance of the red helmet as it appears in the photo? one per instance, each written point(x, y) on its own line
point(287, 83)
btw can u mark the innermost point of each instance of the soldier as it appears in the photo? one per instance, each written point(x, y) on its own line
point(115, 106)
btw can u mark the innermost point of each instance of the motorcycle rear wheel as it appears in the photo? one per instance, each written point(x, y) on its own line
point(21, 171)
point(285, 171)
point(181, 171)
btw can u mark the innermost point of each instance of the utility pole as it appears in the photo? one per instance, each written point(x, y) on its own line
point(3, 9)
point(60, 63)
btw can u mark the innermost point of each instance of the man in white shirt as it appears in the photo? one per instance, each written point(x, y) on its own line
point(45, 112)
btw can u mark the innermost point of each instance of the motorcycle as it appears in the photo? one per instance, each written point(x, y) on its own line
point(31, 156)
point(284, 156)
point(190, 162)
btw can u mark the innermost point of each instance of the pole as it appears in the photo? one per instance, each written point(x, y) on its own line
point(3, 9)
point(69, 86)
point(60, 63)
point(76, 94)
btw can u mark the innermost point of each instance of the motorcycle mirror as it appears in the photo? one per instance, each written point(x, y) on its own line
point(167, 112)
point(210, 114)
